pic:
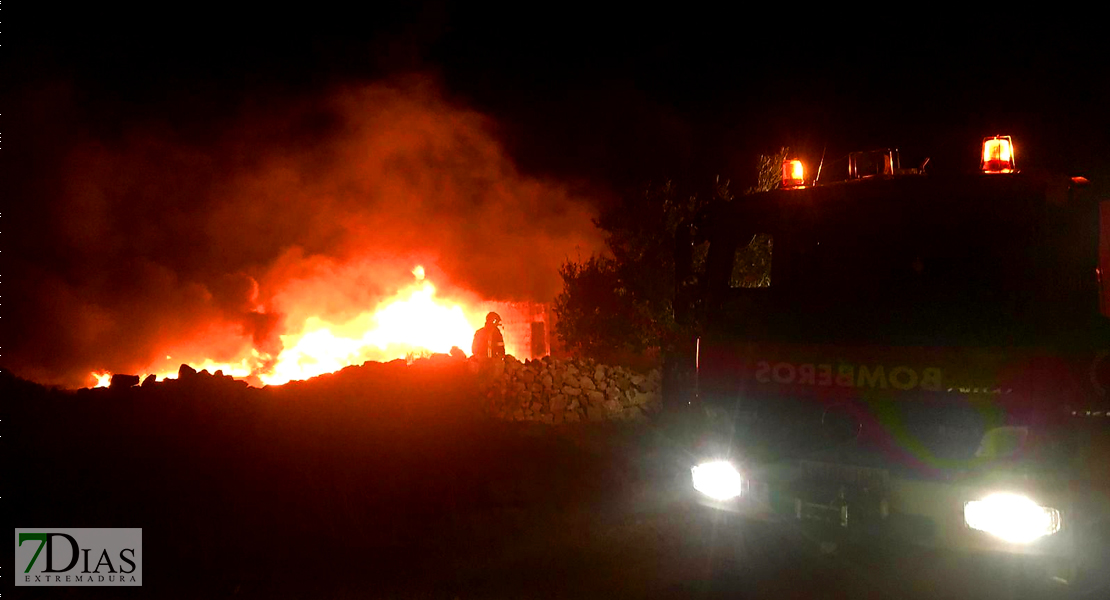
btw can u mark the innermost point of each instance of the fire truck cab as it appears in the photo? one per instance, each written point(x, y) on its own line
point(909, 357)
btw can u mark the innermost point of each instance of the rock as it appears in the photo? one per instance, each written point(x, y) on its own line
point(646, 399)
point(595, 398)
point(573, 404)
point(547, 381)
point(638, 381)
point(123, 381)
point(536, 407)
point(599, 373)
point(586, 383)
point(595, 413)
point(548, 419)
point(612, 407)
point(518, 415)
point(571, 391)
point(536, 389)
point(572, 370)
point(185, 372)
point(151, 380)
point(528, 376)
point(557, 418)
point(559, 403)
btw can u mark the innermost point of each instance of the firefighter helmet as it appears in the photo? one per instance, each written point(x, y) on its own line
point(494, 319)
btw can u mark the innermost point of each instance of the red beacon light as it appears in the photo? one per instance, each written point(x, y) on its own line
point(998, 155)
point(793, 173)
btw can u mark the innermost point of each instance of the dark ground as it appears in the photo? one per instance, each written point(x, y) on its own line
point(385, 482)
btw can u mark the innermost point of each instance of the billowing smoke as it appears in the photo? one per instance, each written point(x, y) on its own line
point(157, 238)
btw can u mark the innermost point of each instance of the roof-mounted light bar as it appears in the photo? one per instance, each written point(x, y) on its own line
point(793, 173)
point(998, 155)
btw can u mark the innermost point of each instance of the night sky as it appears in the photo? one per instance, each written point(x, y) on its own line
point(169, 168)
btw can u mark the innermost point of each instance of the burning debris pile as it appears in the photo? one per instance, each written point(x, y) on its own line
point(186, 379)
point(545, 390)
point(555, 392)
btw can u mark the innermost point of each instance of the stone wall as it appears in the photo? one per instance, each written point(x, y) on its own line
point(567, 391)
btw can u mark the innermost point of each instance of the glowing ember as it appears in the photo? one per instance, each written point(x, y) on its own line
point(418, 272)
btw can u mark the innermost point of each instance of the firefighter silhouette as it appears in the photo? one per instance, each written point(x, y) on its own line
point(488, 341)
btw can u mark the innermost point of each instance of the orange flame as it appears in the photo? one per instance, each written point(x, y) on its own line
point(414, 321)
point(103, 378)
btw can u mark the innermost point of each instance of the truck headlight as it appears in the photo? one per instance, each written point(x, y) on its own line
point(718, 480)
point(1011, 517)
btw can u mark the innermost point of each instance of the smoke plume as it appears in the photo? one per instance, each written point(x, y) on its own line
point(156, 238)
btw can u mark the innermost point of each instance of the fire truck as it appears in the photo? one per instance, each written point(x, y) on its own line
point(921, 359)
